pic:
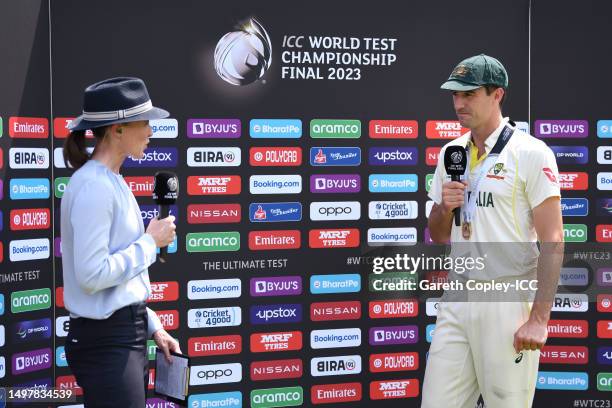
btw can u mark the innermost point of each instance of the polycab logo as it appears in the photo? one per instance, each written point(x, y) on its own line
point(215, 374)
point(141, 186)
point(28, 128)
point(334, 393)
point(561, 128)
point(393, 335)
point(169, 318)
point(276, 286)
point(444, 129)
point(280, 239)
point(564, 355)
point(276, 369)
point(604, 233)
point(213, 185)
point(30, 361)
point(28, 158)
point(275, 342)
point(568, 328)
point(393, 129)
point(431, 155)
point(573, 181)
point(30, 219)
point(604, 303)
point(213, 213)
point(214, 345)
point(214, 317)
point(213, 156)
point(68, 382)
point(163, 292)
point(394, 389)
point(273, 314)
point(333, 238)
point(155, 157)
point(386, 309)
point(327, 311)
point(214, 128)
point(275, 156)
point(604, 329)
point(337, 365)
point(387, 362)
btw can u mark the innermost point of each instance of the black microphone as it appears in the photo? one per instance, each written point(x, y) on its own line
point(165, 193)
point(455, 161)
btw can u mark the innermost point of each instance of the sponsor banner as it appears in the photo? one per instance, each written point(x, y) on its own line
point(30, 300)
point(393, 156)
point(604, 277)
point(275, 314)
point(335, 156)
point(214, 289)
point(561, 128)
point(571, 154)
point(60, 127)
point(335, 210)
point(1, 158)
point(213, 241)
point(163, 292)
point(28, 158)
point(68, 382)
point(214, 185)
point(275, 156)
point(568, 328)
point(573, 302)
point(428, 181)
point(444, 129)
point(604, 355)
point(379, 336)
point(574, 207)
point(60, 357)
point(603, 233)
point(28, 128)
point(275, 212)
point(604, 329)
point(341, 283)
point(604, 154)
point(392, 282)
point(276, 341)
point(573, 181)
point(213, 156)
point(148, 212)
point(431, 156)
point(429, 332)
point(276, 286)
point(140, 186)
point(214, 345)
point(168, 318)
point(555, 380)
point(214, 128)
point(155, 157)
point(396, 308)
point(213, 213)
point(1, 302)
point(390, 362)
point(232, 399)
point(276, 369)
point(392, 236)
point(336, 365)
point(277, 397)
point(335, 183)
point(275, 128)
point(522, 126)
point(279, 239)
point(31, 330)
point(335, 338)
point(334, 393)
point(30, 219)
point(574, 277)
point(58, 157)
point(215, 374)
point(604, 382)
point(604, 129)
point(333, 238)
point(275, 184)
point(164, 128)
point(62, 326)
point(604, 303)
point(29, 189)
point(428, 207)
point(604, 181)
point(57, 247)
point(214, 317)
point(564, 355)
point(393, 129)
point(575, 232)
point(391, 389)
point(335, 129)
point(393, 183)
point(31, 361)
point(327, 311)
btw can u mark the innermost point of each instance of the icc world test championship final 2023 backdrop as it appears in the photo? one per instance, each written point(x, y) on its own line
point(305, 137)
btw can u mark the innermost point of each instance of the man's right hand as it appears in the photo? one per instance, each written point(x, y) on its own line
point(163, 231)
point(452, 195)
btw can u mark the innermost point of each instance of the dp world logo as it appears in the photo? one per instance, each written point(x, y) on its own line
point(244, 56)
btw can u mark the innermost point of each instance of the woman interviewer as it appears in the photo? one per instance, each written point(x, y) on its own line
point(106, 250)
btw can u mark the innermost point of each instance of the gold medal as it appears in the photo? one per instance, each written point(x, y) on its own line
point(466, 230)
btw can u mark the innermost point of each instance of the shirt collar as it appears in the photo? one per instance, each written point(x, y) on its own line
point(492, 139)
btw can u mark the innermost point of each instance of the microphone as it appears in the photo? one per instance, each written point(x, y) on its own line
point(455, 161)
point(165, 193)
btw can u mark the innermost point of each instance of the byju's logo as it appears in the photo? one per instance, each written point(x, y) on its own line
point(244, 56)
point(392, 156)
point(335, 183)
point(155, 157)
point(393, 335)
point(561, 128)
point(276, 286)
point(30, 361)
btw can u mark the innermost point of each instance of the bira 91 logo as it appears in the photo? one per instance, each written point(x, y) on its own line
point(275, 156)
point(431, 155)
point(141, 186)
point(213, 185)
point(334, 238)
point(444, 129)
point(163, 292)
point(155, 157)
point(268, 240)
point(604, 303)
point(276, 369)
point(327, 311)
point(334, 393)
point(28, 128)
point(277, 341)
point(169, 318)
point(380, 390)
point(393, 129)
point(28, 158)
point(213, 156)
point(573, 181)
point(337, 365)
point(214, 345)
point(388, 362)
point(30, 361)
point(213, 213)
point(568, 328)
point(564, 355)
point(385, 309)
point(571, 303)
point(30, 219)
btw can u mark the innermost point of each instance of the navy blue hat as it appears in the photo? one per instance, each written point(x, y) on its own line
point(116, 100)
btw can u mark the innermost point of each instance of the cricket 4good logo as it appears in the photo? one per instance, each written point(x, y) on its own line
point(30, 219)
point(215, 374)
point(276, 286)
point(388, 362)
point(444, 129)
point(275, 342)
point(214, 317)
point(382, 390)
point(393, 210)
point(276, 369)
point(338, 365)
point(214, 345)
point(28, 128)
point(275, 156)
point(213, 213)
point(163, 292)
point(393, 129)
point(213, 156)
point(333, 238)
point(28, 158)
point(268, 240)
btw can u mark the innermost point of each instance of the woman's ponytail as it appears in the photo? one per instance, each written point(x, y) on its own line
point(75, 151)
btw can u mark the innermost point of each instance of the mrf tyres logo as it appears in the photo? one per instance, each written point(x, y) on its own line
point(243, 56)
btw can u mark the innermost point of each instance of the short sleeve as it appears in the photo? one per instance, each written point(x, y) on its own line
point(541, 176)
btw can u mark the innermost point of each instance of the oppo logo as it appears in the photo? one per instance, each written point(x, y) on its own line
point(335, 210)
point(215, 374)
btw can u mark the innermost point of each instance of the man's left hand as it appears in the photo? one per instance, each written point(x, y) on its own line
point(166, 343)
point(531, 336)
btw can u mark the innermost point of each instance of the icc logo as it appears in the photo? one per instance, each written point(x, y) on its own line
point(244, 56)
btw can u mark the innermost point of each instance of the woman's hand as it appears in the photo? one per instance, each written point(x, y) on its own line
point(166, 343)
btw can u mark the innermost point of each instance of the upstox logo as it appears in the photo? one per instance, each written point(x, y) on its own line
point(575, 232)
point(213, 241)
point(155, 157)
point(277, 397)
point(29, 300)
point(29, 189)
